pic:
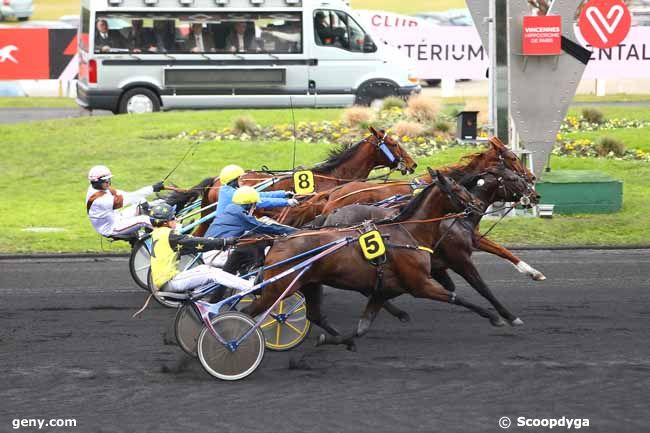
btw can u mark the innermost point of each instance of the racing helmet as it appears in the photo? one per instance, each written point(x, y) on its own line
point(246, 195)
point(161, 213)
point(230, 173)
point(99, 173)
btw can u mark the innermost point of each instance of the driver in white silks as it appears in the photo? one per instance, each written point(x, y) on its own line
point(168, 245)
point(105, 205)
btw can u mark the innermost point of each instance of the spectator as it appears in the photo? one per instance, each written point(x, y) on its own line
point(164, 36)
point(199, 41)
point(240, 40)
point(104, 39)
point(139, 39)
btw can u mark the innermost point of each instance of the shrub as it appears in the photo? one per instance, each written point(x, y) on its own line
point(442, 126)
point(408, 129)
point(606, 145)
point(357, 116)
point(593, 115)
point(244, 125)
point(422, 109)
point(392, 102)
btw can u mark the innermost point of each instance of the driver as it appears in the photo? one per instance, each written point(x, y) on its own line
point(103, 202)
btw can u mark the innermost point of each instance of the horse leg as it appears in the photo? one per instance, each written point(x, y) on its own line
point(430, 289)
point(442, 276)
point(375, 303)
point(314, 299)
point(402, 315)
point(466, 269)
point(493, 248)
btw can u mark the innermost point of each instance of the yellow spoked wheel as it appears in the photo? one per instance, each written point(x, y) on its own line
point(284, 332)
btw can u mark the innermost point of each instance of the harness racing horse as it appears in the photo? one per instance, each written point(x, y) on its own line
point(460, 236)
point(407, 268)
point(345, 164)
point(498, 154)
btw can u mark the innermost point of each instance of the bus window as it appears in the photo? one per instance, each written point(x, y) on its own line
point(338, 29)
point(242, 32)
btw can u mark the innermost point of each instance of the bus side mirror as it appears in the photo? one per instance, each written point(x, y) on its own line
point(369, 45)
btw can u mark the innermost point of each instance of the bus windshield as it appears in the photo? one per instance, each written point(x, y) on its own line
point(232, 32)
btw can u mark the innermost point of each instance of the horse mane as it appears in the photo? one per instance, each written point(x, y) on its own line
point(459, 170)
point(413, 205)
point(338, 155)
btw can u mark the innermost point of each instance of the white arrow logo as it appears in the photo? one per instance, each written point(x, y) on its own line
point(594, 13)
point(5, 53)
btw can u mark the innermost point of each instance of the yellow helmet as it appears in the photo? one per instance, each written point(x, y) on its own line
point(230, 173)
point(246, 195)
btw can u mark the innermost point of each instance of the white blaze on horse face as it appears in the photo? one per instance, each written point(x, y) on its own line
point(480, 182)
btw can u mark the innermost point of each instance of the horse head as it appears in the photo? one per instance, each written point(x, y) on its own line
point(392, 152)
point(508, 158)
point(503, 184)
point(457, 194)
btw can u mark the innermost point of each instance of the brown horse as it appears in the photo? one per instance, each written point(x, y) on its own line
point(455, 249)
point(406, 270)
point(497, 154)
point(372, 192)
point(344, 164)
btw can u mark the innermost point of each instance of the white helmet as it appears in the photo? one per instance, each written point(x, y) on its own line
point(99, 172)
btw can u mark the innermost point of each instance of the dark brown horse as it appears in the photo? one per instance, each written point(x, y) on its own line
point(406, 270)
point(499, 184)
point(345, 164)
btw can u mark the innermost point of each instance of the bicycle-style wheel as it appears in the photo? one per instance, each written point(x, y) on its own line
point(187, 328)
point(287, 334)
point(139, 263)
point(164, 301)
point(223, 363)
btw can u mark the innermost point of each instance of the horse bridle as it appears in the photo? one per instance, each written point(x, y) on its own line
point(381, 145)
point(524, 200)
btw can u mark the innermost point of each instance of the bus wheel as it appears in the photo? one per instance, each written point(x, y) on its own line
point(374, 90)
point(138, 101)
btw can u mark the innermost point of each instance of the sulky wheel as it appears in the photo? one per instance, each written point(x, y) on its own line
point(284, 333)
point(139, 263)
point(187, 328)
point(164, 301)
point(223, 363)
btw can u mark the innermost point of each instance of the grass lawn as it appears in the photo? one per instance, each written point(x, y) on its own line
point(408, 7)
point(43, 176)
point(633, 138)
point(54, 9)
point(29, 102)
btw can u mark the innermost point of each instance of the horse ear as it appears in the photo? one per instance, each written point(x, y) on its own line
point(443, 182)
point(373, 131)
point(496, 143)
point(433, 173)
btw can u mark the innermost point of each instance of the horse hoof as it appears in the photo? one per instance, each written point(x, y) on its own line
point(404, 317)
point(498, 322)
point(539, 277)
point(320, 340)
point(517, 322)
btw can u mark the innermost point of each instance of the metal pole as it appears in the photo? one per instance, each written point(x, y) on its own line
point(501, 55)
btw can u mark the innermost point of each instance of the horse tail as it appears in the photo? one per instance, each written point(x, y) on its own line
point(181, 199)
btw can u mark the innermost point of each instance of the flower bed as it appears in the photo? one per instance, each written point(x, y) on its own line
point(420, 139)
